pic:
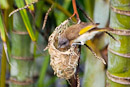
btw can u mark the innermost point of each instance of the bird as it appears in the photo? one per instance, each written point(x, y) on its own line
point(77, 34)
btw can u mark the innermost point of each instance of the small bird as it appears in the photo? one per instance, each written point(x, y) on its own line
point(77, 34)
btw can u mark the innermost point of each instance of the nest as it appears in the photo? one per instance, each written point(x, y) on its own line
point(64, 62)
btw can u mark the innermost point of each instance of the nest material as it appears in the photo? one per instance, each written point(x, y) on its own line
point(64, 62)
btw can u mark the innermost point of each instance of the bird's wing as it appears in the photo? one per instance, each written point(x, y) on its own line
point(87, 28)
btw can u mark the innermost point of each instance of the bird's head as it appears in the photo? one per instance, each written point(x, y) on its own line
point(63, 42)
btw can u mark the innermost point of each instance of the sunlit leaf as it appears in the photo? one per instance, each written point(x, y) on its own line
point(27, 23)
point(4, 4)
point(2, 29)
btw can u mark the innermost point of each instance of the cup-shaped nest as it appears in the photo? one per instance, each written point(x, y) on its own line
point(64, 62)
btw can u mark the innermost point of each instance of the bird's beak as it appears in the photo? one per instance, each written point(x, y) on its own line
point(97, 24)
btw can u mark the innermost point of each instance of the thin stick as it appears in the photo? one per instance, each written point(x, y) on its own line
point(46, 16)
point(75, 10)
point(85, 14)
point(95, 54)
point(26, 6)
point(111, 36)
point(7, 56)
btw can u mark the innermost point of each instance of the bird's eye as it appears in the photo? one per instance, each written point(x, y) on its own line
point(64, 43)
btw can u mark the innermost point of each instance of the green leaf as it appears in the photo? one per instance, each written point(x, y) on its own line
point(89, 6)
point(43, 71)
point(2, 30)
point(28, 2)
point(3, 69)
point(25, 18)
point(4, 4)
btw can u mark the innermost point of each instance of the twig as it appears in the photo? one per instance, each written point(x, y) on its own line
point(95, 54)
point(26, 6)
point(85, 14)
point(46, 16)
point(75, 10)
point(112, 37)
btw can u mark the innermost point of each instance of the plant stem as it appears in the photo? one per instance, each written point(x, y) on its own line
point(118, 63)
point(75, 10)
point(21, 57)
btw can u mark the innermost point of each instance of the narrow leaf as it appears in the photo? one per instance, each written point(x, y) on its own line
point(3, 69)
point(3, 37)
point(25, 18)
point(4, 4)
point(43, 71)
point(30, 1)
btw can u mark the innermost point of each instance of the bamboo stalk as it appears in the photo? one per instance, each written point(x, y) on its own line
point(118, 71)
point(21, 57)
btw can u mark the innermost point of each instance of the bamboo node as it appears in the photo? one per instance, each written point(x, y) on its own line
point(122, 12)
point(25, 82)
point(117, 79)
point(20, 32)
point(119, 54)
point(120, 32)
point(63, 61)
point(22, 58)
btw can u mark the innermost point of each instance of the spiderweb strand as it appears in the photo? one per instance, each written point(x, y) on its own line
point(26, 6)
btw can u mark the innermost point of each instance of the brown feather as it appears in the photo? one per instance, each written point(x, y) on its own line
point(70, 34)
point(73, 31)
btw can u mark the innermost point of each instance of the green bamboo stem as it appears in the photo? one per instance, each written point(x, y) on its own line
point(3, 69)
point(23, 69)
point(119, 65)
